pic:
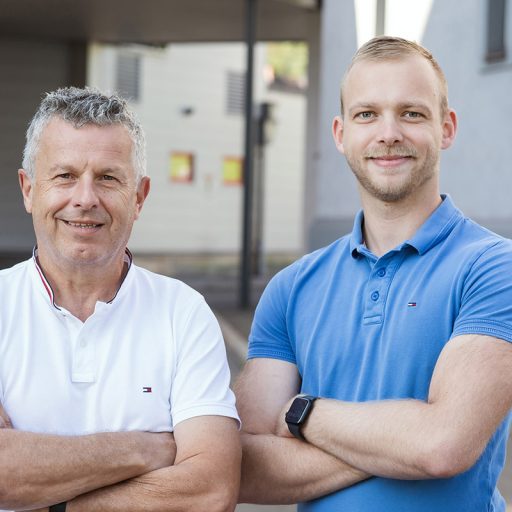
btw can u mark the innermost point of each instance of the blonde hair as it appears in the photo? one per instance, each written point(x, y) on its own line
point(394, 48)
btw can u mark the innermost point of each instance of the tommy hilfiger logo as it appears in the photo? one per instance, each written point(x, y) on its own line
point(147, 390)
point(411, 304)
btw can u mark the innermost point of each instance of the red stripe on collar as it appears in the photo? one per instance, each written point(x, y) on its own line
point(128, 259)
point(45, 282)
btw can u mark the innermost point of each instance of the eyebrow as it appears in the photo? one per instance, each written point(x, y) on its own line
point(70, 168)
point(61, 167)
point(416, 105)
point(362, 106)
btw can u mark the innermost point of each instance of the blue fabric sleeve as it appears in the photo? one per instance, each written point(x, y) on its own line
point(269, 336)
point(486, 306)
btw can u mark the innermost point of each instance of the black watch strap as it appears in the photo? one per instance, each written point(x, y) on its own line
point(60, 507)
point(298, 413)
point(295, 430)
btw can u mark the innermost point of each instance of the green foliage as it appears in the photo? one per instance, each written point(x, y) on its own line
point(289, 60)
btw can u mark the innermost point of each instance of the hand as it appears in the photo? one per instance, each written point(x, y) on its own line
point(160, 449)
point(281, 429)
point(5, 421)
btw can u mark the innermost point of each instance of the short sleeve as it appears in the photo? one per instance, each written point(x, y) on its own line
point(486, 306)
point(269, 337)
point(200, 385)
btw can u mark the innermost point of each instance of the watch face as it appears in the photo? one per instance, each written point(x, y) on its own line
point(297, 410)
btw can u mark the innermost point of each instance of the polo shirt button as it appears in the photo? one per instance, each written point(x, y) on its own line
point(375, 296)
point(83, 343)
point(381, 272)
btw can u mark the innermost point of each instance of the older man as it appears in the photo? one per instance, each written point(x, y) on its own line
point(399, 333)
point(113, 380)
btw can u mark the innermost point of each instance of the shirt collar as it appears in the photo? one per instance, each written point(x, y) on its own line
point(356, 238)
point(128, 259)
point(435, 229)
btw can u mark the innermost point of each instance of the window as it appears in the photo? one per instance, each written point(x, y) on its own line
point(181, 167)
point(232, 170)
point(128, 76)
point(496, 15)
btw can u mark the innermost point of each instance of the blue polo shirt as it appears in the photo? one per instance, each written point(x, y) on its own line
point(364, 328)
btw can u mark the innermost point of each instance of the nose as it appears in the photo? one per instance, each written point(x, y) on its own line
point(84, 193)
point(390, 131)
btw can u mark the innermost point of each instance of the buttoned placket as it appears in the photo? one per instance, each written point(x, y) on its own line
point(83, 344)
point(379, 282)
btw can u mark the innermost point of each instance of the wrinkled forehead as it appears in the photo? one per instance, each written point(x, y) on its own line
point(59, 131)
point(63, 143)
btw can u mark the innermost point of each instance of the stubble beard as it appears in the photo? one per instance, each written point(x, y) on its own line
point(403, 188)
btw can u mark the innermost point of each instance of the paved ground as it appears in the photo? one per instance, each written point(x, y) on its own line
point(235, 324)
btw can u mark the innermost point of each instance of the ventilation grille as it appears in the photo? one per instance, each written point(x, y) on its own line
point(128, 76)
point(235, 103)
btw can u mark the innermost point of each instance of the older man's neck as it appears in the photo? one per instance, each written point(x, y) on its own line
point(80, 288)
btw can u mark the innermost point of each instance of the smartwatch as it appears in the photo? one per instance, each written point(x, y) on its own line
point(60, 507)
point(298, 414)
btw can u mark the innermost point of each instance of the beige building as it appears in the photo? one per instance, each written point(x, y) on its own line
point(189, 98)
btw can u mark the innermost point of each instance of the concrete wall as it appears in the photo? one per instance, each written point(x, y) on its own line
point(333, 200)
point(29, 68)
point(476, 171)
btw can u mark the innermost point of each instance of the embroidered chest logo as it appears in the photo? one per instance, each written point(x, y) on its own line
point(147, 390)
point(411, 304)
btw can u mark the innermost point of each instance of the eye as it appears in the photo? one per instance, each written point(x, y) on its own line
point(107, 177)
point(63, 176)
point(412, 115)
point(365, 116)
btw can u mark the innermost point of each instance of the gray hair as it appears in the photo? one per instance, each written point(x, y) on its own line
point(80, 107)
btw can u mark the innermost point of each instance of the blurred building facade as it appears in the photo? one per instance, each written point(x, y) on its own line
point(473, 44)
point(190, 99)
point(184, 111)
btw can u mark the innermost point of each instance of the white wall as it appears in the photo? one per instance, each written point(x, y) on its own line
point(284, 175)
point(205, 215)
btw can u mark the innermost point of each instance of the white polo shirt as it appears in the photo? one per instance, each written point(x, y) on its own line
point(151, 358)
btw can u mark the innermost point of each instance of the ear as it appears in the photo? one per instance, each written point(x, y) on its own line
point(26, 189)
point(142, 192)
point(449, 129)
point(337, 133)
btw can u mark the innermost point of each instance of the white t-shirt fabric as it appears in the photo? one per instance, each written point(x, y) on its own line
point(151, 358)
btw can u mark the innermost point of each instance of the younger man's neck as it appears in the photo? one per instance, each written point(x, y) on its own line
point(387, 225)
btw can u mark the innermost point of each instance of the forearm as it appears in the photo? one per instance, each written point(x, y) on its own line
point(278, 470)
point(470, 394)
point(205, 476)
point(396, 439)
point(38, 470)
point(177, 488)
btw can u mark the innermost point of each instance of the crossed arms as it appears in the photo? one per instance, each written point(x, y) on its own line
point(122, 471)
point(469, 396)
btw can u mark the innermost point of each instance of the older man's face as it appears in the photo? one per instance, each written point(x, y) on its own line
point(84, 197)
